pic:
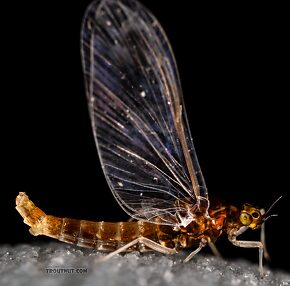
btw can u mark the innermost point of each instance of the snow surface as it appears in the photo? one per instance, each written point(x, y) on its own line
point(38, 265)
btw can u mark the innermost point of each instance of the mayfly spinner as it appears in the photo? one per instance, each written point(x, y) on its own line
point(144, 145)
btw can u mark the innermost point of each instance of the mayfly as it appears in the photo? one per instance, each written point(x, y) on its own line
point(144, 145)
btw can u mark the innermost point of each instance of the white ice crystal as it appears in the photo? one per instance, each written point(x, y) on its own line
point(59, 263)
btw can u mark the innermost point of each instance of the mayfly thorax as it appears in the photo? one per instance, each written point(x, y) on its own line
point(144, 145)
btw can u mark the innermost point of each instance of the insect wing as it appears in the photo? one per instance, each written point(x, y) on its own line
point(139, 121)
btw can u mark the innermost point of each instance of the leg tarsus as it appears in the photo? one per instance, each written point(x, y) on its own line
point(202, 244)
point(119, 250)
point(263, 240)
point(214, 249)
point(141, 240)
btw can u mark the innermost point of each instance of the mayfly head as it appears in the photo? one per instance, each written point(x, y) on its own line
point(251, 217)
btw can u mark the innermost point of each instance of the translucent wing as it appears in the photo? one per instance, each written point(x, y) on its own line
point(137, 113)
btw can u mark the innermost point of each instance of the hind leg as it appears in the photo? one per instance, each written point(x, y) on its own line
point(145, 241)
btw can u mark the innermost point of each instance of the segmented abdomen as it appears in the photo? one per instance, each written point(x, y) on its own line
point(105, 236)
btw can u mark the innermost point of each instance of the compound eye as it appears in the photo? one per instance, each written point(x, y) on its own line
point(245, 218)
point(255, 215)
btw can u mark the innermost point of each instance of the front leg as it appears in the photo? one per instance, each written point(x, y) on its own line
point(232, 236)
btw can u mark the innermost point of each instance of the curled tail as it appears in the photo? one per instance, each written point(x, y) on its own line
point(39, 222)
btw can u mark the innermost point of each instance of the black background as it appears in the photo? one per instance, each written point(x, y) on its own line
point(234, 69)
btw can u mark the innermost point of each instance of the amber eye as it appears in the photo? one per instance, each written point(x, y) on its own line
point(255, 215)
point(245, 218)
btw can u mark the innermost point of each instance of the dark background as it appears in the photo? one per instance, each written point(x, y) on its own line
point(234, 68)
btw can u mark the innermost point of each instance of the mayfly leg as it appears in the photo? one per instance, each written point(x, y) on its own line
point(263, 241)
point(146, 242)
point(214, 249)
point(202, 244)
point(263, 238)
point(247, 244)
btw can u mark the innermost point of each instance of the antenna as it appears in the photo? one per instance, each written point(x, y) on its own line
point(272, 215)
point(272, 205)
